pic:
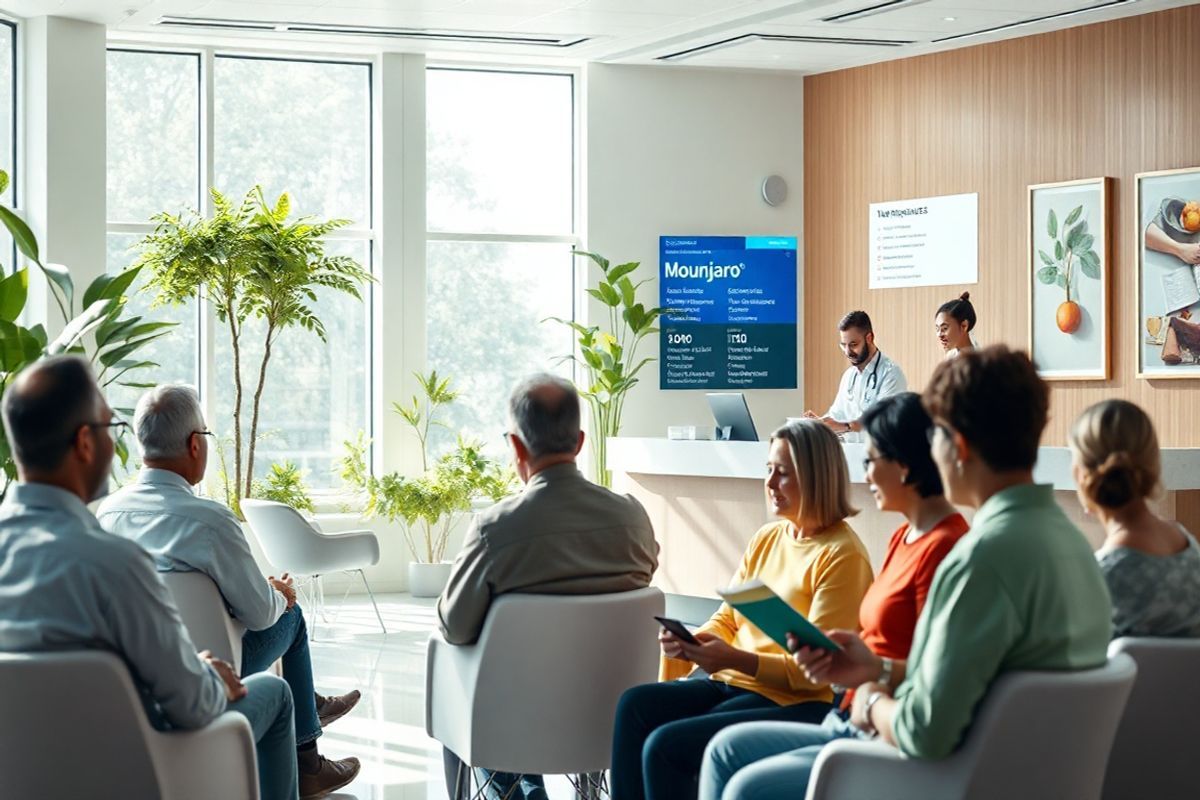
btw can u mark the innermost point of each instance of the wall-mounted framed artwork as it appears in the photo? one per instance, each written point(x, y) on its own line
point(1070, 279)
point(1168, 273)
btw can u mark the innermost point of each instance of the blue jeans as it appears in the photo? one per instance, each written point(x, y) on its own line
point(268, 707)
point(662, 729)
point(768, 760)
point(287, 639)
point(527, 787)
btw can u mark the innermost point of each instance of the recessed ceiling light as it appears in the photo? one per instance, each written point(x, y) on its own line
point(949, 19)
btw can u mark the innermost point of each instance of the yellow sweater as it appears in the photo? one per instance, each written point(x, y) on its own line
point(824, 577)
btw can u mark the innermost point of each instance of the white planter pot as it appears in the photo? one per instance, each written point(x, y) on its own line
point(427, 580)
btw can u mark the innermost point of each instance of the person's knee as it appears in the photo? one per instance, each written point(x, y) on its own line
point(719, 755)
point(745, 784)
point(633, 700)
point(301, 627)
point(282, 693)
point(658, 745)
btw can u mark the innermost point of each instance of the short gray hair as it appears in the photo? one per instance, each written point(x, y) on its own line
point(544, 409)
point(165, 419)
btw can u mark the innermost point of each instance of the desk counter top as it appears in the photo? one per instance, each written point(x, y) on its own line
point(747, 460)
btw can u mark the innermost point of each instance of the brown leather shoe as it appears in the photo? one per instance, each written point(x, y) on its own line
point(330, 776)
point(331, 709)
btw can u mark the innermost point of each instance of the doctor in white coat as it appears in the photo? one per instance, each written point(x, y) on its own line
point(870, 376)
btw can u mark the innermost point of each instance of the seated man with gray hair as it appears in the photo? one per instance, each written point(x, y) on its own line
point(561, 535)
point(67, 585)
point(186, 533)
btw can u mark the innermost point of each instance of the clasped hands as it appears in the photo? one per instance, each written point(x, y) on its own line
point(284, 585)
point(234, 688)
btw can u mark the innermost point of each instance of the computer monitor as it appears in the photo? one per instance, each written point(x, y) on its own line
point(729, 409)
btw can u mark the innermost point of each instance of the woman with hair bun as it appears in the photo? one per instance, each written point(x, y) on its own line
point(1151, 566)
point(953, 323)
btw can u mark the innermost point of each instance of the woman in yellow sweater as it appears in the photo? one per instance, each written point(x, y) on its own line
point(814, 561)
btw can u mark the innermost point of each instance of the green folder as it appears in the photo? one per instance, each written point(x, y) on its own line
point(758, 603)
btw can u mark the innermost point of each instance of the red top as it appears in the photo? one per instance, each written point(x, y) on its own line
point(889, 611)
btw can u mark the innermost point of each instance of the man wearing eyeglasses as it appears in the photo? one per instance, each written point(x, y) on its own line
point(66, 584)
point(187, 533)
point(870, 377)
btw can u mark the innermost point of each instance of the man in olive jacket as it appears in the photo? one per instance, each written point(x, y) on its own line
point(562, 535)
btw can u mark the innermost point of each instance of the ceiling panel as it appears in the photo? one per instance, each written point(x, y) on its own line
point(621, 31)
point(769, 54)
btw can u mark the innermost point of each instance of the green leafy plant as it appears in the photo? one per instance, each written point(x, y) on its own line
point(251, 262)
point(427, 505)
point(285, 484)
point(99, 330)
point(1072, 251)
point(609, 357)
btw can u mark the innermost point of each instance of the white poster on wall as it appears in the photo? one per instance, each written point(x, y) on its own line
point(933, 241)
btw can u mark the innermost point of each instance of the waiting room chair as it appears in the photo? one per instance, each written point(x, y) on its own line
point(1152, 755)
point(537, 694)
point(205, 615)
point(1036, 736)
point(72, 725)
point(296, 547)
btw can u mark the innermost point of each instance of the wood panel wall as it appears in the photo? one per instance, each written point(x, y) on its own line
point(1112, 99)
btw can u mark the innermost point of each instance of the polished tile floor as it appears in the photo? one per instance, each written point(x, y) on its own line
point(387, 729)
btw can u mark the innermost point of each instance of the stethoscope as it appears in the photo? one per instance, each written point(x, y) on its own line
point(872, 380)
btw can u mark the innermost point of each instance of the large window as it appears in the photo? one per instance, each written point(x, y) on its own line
point(8, 137)
point(501, 225)
point(287, 125)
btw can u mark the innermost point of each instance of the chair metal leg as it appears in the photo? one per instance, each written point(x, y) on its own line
point(371, 594)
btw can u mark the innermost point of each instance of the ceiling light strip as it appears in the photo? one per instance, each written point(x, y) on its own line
point(870, 11)
point(373, 31)
point(775, 37)
point(1034, 21)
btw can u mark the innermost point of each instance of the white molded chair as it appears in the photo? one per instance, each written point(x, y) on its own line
point(1036, 736)
point(537, 694)
point(1152, 754)
point(205, 616)
point(293, 545)
point(72, 725)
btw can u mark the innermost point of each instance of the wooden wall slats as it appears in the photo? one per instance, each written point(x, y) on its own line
point(1114, 99)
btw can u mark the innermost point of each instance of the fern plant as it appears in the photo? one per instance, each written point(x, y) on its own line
point(285, 484)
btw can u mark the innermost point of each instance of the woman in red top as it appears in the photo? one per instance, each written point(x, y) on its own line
point(748, 760)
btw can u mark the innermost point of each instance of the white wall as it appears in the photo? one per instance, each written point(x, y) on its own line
point(683, 152)
point(63, 188)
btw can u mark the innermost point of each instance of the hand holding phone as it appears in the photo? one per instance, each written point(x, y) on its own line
point(677, 629)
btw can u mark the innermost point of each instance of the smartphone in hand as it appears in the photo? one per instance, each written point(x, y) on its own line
point(678, 629)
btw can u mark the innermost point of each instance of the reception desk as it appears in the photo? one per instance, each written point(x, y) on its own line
point(706, 500)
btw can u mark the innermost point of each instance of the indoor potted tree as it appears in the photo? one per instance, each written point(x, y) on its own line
point(427, 506)
point(251, 261)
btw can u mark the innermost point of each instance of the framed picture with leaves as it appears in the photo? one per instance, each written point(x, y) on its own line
point(1168, 273)
point(1069, 279)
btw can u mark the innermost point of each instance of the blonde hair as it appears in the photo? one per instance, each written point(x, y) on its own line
point(820, 467)
point(1116, 444)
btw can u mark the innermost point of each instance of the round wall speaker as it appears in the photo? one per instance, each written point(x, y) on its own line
point(774, 190)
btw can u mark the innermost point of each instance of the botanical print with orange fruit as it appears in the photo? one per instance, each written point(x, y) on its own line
point(1073, 254)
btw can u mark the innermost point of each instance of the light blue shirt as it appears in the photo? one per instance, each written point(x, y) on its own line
point(186, 533)
point(67, 585)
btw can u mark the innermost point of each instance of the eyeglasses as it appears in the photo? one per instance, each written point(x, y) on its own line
point(116, 428)
point(204, 433)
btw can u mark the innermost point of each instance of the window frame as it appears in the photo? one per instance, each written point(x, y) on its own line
point(575, 237)
point(367, 231)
